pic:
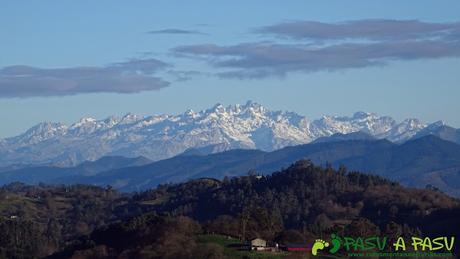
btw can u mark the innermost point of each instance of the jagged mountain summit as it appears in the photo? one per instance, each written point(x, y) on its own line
point(248, 126)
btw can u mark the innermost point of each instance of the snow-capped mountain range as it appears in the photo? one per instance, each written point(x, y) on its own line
point(249, 126)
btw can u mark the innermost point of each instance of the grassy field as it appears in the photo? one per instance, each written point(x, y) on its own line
point(230, 252)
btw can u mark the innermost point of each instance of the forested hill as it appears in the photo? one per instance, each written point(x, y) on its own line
point(303, 195)
point(311, 199)
point(304, 199)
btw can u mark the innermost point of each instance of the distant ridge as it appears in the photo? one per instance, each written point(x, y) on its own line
point(219, 128)
point(51, 174)
point(420, 162)
point(441, 131)
point(359, 135)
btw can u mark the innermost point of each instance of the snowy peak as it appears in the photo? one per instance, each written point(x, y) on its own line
point(250, 108)
point(440, 130)
point(250, 125)
point(40, 132)
point(405, 130)
point(130, 118)
point(363, 115)
point(436, 125)
point(361, 121)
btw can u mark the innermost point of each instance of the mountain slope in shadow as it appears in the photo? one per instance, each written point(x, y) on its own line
point(424, 161)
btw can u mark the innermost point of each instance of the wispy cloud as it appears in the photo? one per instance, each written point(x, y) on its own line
point(185, 75)
point(132, 76)
point(362, 29)
point(176, 31)
point(374, 43)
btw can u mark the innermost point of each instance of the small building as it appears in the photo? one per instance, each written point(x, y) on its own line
point(258, 244)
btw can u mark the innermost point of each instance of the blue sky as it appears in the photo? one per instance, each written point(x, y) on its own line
point(62, 60)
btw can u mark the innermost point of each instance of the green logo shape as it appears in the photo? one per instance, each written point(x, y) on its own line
point(336, 244)
point(318, 245)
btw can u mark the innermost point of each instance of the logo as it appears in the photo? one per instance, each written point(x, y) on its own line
point(318, 245)
point(321, 244)
point(379, 246)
